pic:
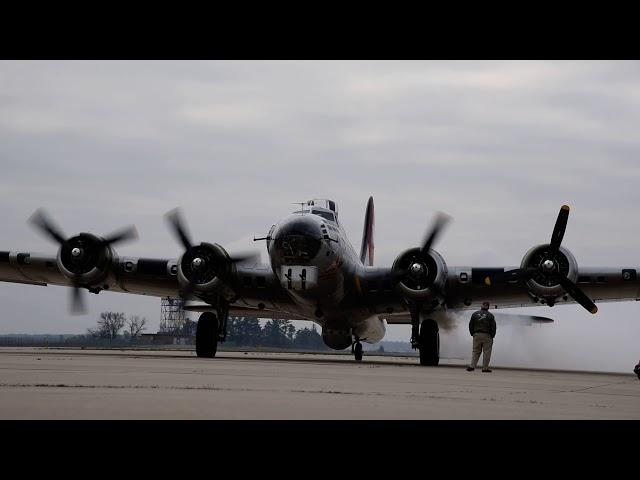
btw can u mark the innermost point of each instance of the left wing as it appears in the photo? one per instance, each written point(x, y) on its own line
point(548, 275)
point(465, 288)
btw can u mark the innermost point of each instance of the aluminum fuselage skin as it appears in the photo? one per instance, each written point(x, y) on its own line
point(330, 300)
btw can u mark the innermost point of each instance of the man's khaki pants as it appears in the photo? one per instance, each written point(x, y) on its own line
point(482, 342)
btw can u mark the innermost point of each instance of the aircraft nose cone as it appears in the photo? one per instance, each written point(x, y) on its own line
point(298, 240)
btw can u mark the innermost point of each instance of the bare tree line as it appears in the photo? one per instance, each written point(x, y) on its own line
point(111, 323)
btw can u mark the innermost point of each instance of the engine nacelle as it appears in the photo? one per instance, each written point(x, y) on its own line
point(201, 267)
point(85, 259)
point(550, 265)
point(424, 274)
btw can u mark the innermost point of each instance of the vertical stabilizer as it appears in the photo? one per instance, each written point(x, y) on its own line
point(366, 251)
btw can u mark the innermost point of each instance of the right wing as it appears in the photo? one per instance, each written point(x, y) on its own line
point(257, 291)
point(140, 276)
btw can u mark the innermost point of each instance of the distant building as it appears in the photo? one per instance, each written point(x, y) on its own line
point(161, 338)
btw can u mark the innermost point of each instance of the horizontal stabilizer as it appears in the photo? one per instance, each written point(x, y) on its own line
point(515, 319)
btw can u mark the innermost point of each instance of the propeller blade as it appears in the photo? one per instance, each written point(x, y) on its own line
point(77, 304)
point(561, 225)
point(249, 257)
point(441, 220)
point(177, 224)
point(46, 225)
point(578, 295)
point(122, 235)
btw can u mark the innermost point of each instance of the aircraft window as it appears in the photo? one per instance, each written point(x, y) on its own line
point(297, 247)
point(246, 282)
point(373, 286)
point(302, 211)
point(323, 214)
point(601, 279)
point(386, 285)
point(260, 282)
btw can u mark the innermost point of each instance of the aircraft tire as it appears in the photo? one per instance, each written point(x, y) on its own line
point(207, 335)
point(357, 352)
point(429, 343)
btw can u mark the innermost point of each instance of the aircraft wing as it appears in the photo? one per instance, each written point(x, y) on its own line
point(465, 288)
point(445, 316)
point(469, 287)
point(141, 276)
point(255, 287)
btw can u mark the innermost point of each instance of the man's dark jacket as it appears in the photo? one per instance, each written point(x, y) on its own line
point(482, 321)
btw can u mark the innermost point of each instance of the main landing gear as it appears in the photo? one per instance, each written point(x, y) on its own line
point(425, 337)
point(207, 335)
point(429, 343)
point(356, 349)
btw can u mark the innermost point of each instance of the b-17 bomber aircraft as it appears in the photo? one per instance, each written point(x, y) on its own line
point(315, 274)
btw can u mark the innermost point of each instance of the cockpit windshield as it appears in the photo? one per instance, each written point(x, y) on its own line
point(326, 215)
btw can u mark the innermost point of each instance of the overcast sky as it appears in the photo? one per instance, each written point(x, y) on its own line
point(500, 146)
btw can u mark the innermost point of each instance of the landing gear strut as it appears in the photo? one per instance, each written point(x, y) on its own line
point(207, 335)
point(356, 349)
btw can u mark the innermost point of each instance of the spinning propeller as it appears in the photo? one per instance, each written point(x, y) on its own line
point(416, 269)
point(202, 267)
point(84, 258)
point(549, 266)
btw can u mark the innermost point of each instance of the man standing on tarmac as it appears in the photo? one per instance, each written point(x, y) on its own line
point(482, 328)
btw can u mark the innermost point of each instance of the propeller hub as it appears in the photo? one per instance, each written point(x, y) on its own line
point(417, 269)
point(548, 266)
point(76, 252)
point(197, 263)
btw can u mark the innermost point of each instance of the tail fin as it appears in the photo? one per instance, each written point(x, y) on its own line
point(366, 251)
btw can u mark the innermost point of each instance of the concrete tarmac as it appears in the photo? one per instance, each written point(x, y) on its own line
point(39, 383)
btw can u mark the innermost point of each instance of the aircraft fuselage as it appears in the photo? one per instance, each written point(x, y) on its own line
point(316, 264)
